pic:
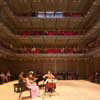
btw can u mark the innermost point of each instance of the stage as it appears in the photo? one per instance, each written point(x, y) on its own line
point(66, 90)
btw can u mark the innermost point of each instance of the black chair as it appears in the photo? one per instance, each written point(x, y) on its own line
point(20, 89)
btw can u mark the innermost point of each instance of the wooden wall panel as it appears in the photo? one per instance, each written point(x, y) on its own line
point(82, 65)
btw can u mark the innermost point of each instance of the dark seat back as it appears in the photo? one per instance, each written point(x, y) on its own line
point(19, 88)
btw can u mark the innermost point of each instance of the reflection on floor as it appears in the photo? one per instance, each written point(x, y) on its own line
point(66, 90)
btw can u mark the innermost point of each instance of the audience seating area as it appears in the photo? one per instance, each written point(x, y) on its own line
point(48, 50)
point(50, 33)
point(67, 75)
point(94, 77)
point(97, 77)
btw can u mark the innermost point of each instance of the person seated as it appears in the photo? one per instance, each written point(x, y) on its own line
point(49, 75)
point(31, 84)
point(50, 84)
point(21, 80)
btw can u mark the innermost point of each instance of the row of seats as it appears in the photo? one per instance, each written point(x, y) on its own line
point(94, 77)
point(97, 77)
point(67, 75)
point(28, 33)
point(47, 50)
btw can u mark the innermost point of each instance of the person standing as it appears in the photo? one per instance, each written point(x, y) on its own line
point(8, 76)
point(3, 77)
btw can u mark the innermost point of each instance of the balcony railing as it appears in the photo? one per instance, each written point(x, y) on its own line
point(51, 55)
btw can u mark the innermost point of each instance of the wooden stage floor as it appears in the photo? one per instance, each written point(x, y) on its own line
point(66, 90)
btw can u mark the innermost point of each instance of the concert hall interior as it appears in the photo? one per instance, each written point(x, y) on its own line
point(50, 49)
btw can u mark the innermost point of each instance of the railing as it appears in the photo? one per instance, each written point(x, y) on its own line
point(52, 55)
point(53, 37)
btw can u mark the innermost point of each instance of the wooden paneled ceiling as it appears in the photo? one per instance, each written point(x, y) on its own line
point(29, 6)
point(80, 24)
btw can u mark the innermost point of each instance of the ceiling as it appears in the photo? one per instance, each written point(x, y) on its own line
point(12, 8)
point(29, 6)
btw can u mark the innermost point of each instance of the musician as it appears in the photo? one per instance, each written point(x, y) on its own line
point(49, 75)
point(31, 84)
point(50, 85)
point(21, 80)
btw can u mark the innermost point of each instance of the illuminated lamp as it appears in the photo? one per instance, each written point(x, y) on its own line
point(59, 15)
point(49, 14)
point(11, 46)
point(41, 15)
